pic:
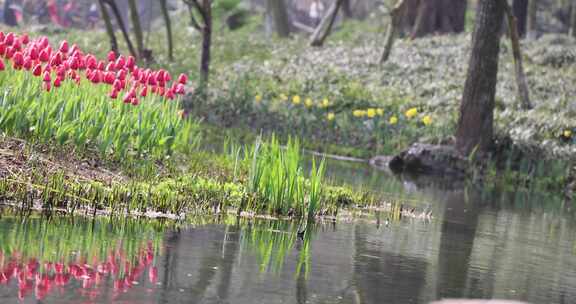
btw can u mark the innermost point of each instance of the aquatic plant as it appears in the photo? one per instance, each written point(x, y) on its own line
point(276, 176)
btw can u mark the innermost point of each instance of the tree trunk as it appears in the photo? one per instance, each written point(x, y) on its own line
point(392, 30)
point(522, 86)
point(109, 27)
point(475, 124)
point(279, 14)
point(531, 29)
point(206, 42)
point(136, 27)
point(520, 9)
point(325, 26)
point(573, 20)
point(347, 9)
point(168, 24)
point(118, 16)
point(9, 16)
point(437, 16)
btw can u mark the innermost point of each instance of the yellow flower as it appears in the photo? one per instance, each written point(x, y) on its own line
point(330, 116)
point(258, 98)
point(296, 99)
point(411, 113)
point(393, 120)
point(371, 113)
point(567, 133)
point(308, 102)
point(380, 112)
point(283, 97)
point(359, 113)
point(325, 103)
point(427, 120)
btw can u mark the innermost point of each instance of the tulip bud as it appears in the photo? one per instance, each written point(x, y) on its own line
point(64, 47)
point(135, 101)
point(47, 77)
point(114, 93)
point(182, 79)
point(130, 63)
point(120, 62)
point(101, 65)
point(47, 86)
point(24, 39)
point(57, 82)
point(9, 39)
point(37, 70)
point(144, 91)
point(109, 77)
point(111, 66)
point(111, 56)
point(44, 56)
point(2, 67)
point(2, 49)
point(27, 63)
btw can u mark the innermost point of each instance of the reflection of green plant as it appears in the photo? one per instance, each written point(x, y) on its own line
point(64, 238)
point(273, 243)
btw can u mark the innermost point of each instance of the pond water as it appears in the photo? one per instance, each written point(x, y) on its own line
point(485, 243)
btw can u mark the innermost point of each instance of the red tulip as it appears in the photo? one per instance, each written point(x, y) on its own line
point(121, 74)
point(2, 49)
point(130, 63)
point(180, 89)
point(27, 63)
point(2, 67)
point(2, 36)
point(120, 62)
point(47, 86)
point(111, 66)
point(57, 82)
point(9, 39)
point(24, 39)
point(144, 91)
point(182, 79)
point(10, 52)
point(44, 56)
point(64, 47)
point(47, 77)
point(111, 56)
point(170, 94)
point(113, 93)
point(91, 62)
point(33, 53)
point(135, 101)
point(101, 65)
point(109, 77)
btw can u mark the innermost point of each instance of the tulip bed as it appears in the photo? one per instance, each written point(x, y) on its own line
point(66, 96)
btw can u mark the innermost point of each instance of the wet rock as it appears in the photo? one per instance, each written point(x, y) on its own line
point(430, 159)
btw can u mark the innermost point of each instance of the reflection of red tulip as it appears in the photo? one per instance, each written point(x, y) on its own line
point(153, 275)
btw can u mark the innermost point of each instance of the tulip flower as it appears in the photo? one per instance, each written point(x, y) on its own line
point(24, 39)
point(2, 67)
point(111, 56)
point(2, 49)
point(57, 82)
point(64, 46)
point(47, 77)
point(44, 56)
point(144, 91)
point(9, 39)
point(182, 79)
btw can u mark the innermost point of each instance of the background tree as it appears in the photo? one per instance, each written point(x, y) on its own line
point(123, 29)
point(520, 9)
point(475, 124)
point(278, 14)
point(573, 20)
point(109, 26)
point(392, 31)
point(136, 27)
point(168, 24)
point(531, 19)
point(203, 23)
point(325, 27)
point(435, 16)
